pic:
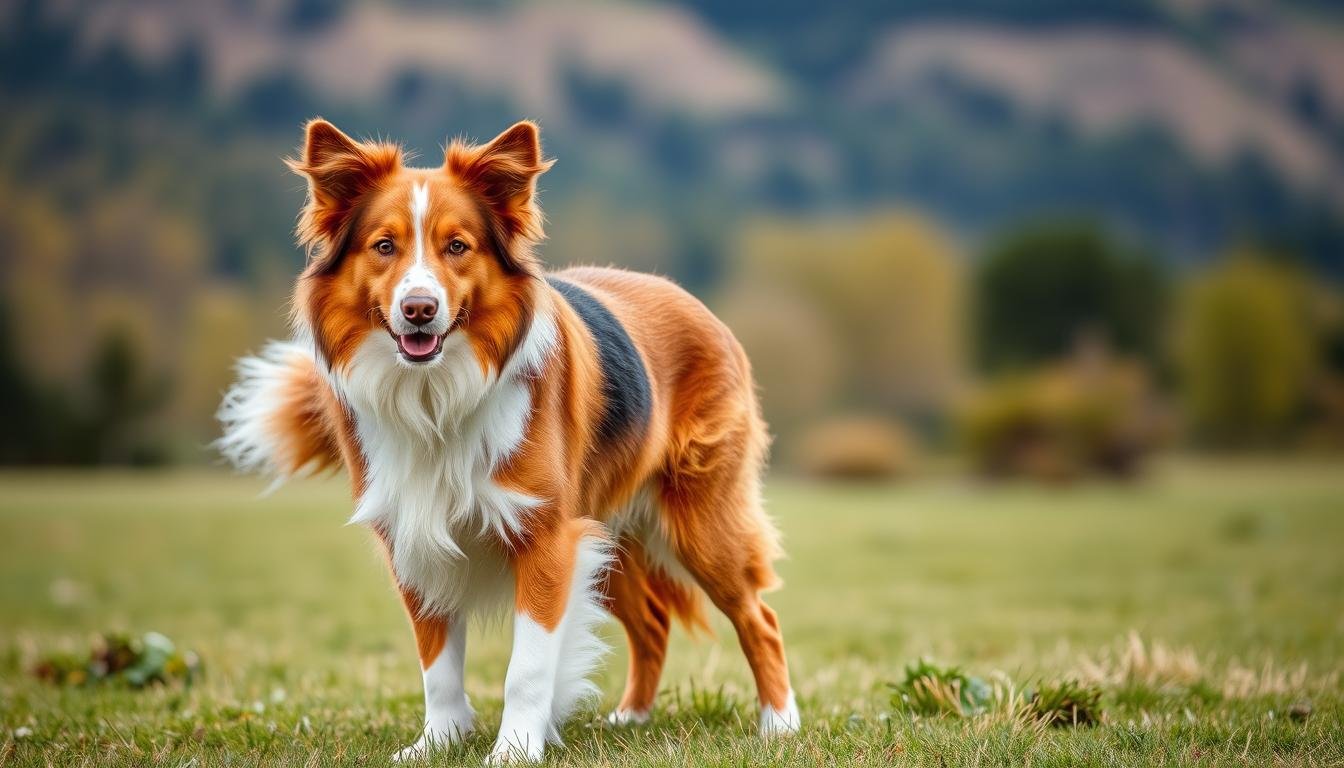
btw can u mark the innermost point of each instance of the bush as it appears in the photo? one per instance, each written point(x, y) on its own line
point(1090, 414)
point(1066, 702)
point(929, 689)
point(1325, 430)
point(855, 448)
point(115, 657)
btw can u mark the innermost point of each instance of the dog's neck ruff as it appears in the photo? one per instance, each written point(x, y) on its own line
point(432, 437)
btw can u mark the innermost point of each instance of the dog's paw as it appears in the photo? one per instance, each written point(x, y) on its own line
point(417, 751)
point(512, 753)
point(780, 722)
point(433, 738)
point(623, 717)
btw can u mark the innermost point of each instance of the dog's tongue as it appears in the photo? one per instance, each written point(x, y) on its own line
point(417, 344)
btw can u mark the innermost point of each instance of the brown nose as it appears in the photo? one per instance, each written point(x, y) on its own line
point(419, 310)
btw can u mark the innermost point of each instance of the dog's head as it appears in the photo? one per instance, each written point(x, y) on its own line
point(401, 258)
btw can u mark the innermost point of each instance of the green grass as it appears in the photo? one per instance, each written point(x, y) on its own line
point(1207, 602)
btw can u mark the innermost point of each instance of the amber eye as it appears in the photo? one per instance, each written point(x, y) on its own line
point(384, 246)
point(457, 247)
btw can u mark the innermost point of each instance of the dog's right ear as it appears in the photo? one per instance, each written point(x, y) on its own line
point(340, 171)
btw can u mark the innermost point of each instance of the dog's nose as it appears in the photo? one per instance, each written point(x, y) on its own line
point(419, 310)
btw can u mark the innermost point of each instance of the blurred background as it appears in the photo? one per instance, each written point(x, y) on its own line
point(1039, 239)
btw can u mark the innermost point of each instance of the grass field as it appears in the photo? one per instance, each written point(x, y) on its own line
point(1208, 601)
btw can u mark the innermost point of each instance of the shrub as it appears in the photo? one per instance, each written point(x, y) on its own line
point(930, 689)
point(1090, 414)
point(136, 661)
point(1066, 702)
point(855, 448)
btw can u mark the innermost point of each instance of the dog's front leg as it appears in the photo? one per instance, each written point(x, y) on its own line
point(442, 644)
point(557, 606)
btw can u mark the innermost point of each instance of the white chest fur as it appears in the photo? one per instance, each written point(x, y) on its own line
point(432, 437)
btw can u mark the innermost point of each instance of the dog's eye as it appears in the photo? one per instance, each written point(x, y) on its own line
point(457, 247)
point(384, 246)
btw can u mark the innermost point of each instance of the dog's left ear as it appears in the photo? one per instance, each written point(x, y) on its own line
point(504, 174)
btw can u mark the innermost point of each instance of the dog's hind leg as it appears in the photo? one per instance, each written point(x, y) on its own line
point(644, 600)
point(719, 531)
point(646, 622)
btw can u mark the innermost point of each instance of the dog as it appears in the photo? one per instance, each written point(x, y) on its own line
point(557, 446)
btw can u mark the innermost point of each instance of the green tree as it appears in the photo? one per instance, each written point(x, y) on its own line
point(121, 397)
point(1246, 350)
point(1042, 286)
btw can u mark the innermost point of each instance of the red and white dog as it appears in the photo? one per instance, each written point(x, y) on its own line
point(562, 444)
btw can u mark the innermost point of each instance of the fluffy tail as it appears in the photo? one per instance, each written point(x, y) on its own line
point(277, 416)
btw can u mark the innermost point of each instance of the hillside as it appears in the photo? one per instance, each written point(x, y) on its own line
point(141, 144)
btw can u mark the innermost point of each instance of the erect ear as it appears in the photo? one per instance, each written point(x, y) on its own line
point(504, 175)
point(340, 171)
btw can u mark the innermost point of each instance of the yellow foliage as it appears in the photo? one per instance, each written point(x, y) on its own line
point(37, 283)
point(793, 352)
point(1245, 349)
point(586, 230)
point(890, 286)
point(219, 327)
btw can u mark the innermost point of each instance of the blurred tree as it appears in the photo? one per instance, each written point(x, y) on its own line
point(889, 290)
point(308, 16)
point(279, 101)
point(1325, 411)
point(794, 352)
point(221, 325)
point(1045, 284)
point(36, 290)
point(35, 423)
point(1245, 350)
point(47, 424)
point(591, 229)
point(602, 101)
point(122, 396)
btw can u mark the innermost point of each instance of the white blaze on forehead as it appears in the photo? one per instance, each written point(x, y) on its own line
point(419, 206)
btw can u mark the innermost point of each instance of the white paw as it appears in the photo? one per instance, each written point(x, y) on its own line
point(434, 738)
point(621, 717)
point(516, 751)
point(775, 722)
point(417, 751)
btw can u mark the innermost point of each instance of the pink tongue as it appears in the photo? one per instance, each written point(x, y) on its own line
point(418, 344)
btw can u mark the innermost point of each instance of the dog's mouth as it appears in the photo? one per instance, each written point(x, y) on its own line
point(419, 347)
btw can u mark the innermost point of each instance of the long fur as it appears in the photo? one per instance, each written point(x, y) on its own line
point(434, 437)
